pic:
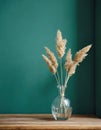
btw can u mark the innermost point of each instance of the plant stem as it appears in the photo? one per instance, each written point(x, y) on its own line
point(58, 76)
point(66, 81)
point(56, 79)
point(61, 71)
point(66, 76)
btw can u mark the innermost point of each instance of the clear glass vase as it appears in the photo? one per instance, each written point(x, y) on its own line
point(61, 109)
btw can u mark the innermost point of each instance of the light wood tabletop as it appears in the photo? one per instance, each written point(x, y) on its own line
point(46, 122)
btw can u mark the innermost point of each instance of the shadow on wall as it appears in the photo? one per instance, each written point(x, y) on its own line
point(85, 72)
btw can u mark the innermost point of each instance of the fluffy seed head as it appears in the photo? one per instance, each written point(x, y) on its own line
point(72, 69)
point(61, 44)
point(52, 57)
point(49, 63)
point(69, 61)
point(81, 54)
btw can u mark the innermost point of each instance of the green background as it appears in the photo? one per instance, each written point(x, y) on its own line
point(26, 26)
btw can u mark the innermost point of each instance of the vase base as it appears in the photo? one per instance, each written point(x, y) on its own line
point(65, 116)
point(62, 119)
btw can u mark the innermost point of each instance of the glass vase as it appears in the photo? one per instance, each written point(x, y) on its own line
point(61, 109)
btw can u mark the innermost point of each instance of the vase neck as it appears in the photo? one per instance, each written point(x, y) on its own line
point(61, 90)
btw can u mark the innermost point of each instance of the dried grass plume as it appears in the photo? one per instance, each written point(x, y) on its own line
point(70, 64)
point(69, 61)
point(49, 63)
point(61, 44)
point(80, 55)
point(72, 69)
point(52, 57)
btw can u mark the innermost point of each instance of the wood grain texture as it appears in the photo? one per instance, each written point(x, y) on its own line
point(46, 122)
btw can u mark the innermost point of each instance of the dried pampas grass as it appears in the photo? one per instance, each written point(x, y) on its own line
point(49, 63)
point(80, 55)
point(52, 57)
point(69, 61)
point(72, 69)
point(70, 64)
point(61, 44)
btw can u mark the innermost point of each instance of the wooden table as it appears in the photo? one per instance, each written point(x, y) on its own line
point(46, 122)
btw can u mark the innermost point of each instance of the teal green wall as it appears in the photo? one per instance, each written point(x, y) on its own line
point(26, 26)
point(98, 57)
